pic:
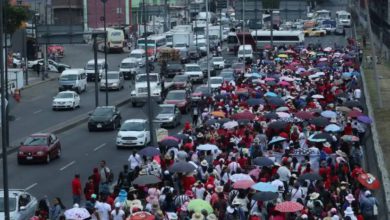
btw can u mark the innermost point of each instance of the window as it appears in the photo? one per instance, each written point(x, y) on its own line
point(35, 141)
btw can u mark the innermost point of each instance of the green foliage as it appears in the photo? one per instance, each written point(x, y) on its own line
point(15, 17)
point(271, 4)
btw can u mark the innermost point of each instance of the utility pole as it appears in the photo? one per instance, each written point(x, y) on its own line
point(96, 69)
point(147, 69)
point(272, 29)
point(44, 72)
point(3, 118)
point(208, 46)
point(105, 48)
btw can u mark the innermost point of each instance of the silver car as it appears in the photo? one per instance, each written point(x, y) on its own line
point(22, 205)
point(169, 116)
point(115, 81)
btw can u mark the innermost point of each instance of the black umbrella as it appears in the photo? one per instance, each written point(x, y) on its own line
point(243, 121)
point(276, 101)
point(310, 176)
point(278, 125)
point(182, 167)
point(320, 121)
point(146, 180)
point(223, 120)
point(265, 196)
point(254, 102)
point(211, 122)
point(169, 143)
point(181, 136)
point(271, 115)
point(323, 135)
point(149, 151)
point(263, 161)
point(352, 104)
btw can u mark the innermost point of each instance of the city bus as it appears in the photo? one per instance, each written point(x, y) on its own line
point(263, 37)
point(115, 40)
point(154, 43)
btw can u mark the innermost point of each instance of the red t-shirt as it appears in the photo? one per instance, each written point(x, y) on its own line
point(76, 187)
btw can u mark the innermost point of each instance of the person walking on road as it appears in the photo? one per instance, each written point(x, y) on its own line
point(118, 213)
point(57, 209)
point(102, 208)
point(105, 178)
point(76, 189)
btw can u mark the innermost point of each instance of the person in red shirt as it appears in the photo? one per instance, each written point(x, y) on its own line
point(76, 189)
point(243, 161)
point(187, 182)
point(348, 129)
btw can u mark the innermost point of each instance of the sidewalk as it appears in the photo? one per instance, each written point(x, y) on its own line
point(34, 79)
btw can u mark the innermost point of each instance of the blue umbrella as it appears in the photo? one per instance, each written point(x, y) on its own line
point(276, 140)
point(265, 187)
point(149, 151)
point(253, 102)
point(329, 114)
point(270, 94)
point(333, 128)
point(347, 75)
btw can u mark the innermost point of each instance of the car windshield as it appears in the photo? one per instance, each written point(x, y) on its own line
point(167, 109)
point(143, 78)
point(12, 204)
point(133, 126)
point(176, 96)
point(180, 45)
point(35, 141)
point(111, 76)
point(64, 95)
point(136, 55)
point(217, 59)
point(174, 66)
point(202, 89)
point(238, 66)
point(102, 112)
point(226, 74)
point(68, 78)
point(216, 81)
point(192, 68)
point(128, 65)
point(245, 51)
point(92, 66)
point(180, 78)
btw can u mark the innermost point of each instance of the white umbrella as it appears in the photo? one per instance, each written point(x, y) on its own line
point(283, 114)
point(317, 96)
point(230, 124)
point(206, 147)
point(286, 78)
point(327, 49)
point(240, 176)
point(77, 213)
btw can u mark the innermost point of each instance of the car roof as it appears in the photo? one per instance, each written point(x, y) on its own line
point(167, 105)
point(192, 64)
point(138, 51)
point(135, 120)
point(216, 77)
point(99, 61)
point(67, 91)
point(177, 91)
point(129, 60)
point(40, 135)
point(13, 193)
point(110, 107)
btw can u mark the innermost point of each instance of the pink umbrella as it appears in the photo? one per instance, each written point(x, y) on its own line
point(171, 138)
point(284, 83)
point(243, 184)
point(288, 206)
point(269, 79)
point(255, 172)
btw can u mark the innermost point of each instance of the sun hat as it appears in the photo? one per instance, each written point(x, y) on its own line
point(348, 211)
point(367, 193)
point(327, 144)
point(350, 198)
point(211, 217)
point(304, 216)
point(314, 195)
point(172, 216)
point(117, 205)
point(204, 163)
point(230, 209)
point(197, 216)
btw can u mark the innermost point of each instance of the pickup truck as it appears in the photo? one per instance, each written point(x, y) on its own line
point(140, 94)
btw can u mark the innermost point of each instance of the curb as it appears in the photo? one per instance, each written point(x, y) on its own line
point(58, 129)
point(38, 83)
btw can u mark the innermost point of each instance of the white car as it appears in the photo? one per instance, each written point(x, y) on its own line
point(216, 82)
point(218, 62)
point(66, 100)
point(133, 132)
point(194, 72)
point(22, 204)
point(52, 65)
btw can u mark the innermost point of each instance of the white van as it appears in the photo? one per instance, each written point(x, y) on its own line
point(245, 52)
point(73, 79)
point(90, 69)
point(139, 55)
point(343, 18)
point(129, 67)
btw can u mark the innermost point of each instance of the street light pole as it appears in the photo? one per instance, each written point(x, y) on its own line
point(105, 48)
point(3, 119)
point(96, 70)
point(208, 46)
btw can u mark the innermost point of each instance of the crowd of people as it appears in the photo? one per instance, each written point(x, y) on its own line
point(284, 141)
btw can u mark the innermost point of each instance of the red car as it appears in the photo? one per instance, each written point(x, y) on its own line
point(180, 99)
point(202, 90)
point(41, 147)
point(181, 82)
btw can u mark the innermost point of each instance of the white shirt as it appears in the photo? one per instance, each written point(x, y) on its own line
point(357, 94)
point(134, 161)
point(117, 215)
point(103, 209)
point(233, 166)
point(284, 174)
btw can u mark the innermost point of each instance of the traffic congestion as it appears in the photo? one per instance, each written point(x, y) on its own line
point(253, 124)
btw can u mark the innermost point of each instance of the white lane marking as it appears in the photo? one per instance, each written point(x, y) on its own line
point(18, 118)
point(98, 147)
point(38, 111)
point(67, 165)
point(30, 186)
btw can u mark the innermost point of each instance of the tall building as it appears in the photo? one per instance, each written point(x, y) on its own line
point(67, 12)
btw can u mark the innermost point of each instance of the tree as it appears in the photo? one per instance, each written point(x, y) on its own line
point(15, 17)
point(271, 4)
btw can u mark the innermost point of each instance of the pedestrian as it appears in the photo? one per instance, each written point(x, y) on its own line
point(368, 205)
point(43, 209)
point(76, 189)
point(105, 178)
point(135, 160)
point(89, 188)
point(195, 115)
point(57, 209)
point(103, 209)
point(118, 213)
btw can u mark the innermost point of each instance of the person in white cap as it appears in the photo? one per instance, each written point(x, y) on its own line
point(118, 213)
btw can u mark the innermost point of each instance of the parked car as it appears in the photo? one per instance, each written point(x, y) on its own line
point(202, 90)
point(115, 81)
point(22, 205)
point(180, 99)
point(329, 28)
point(173, 69)
point(314, 32)
point(66, 100)
point(169, 116)
point(340, 30)
point(51, 65)
point(133, 132)
point(218, 62)
point(181, 82)
point(104, 117)
point(39, 147)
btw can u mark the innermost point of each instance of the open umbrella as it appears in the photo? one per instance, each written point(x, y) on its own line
point(282, 109)
point(332, 128)
point(212, 122)
point(239, 176)
point(349, 138)
point(283, 56)
point(343, 109)
point(244, 115)
point(320, 137)
point(149, 151)
point(317, 96)
point(182, 167)
point(265, 187)
point(278, 125)
point(369, 181)
point(283, 114)
point(288, 206)
point(310, 176)
point(198, 205)
point(329, 114)
point(218, 114)
point(276, 101)
point(141, 216)
point(146, 180)
point(364, 119)
point(262, 161)
point(284, 83)
point(265, 196)
point(320, 121)
point(271, 115)
point(230, 125)
point(243, 184)
point(270, 94)
point(207, 147)
point(304, 115)
point(169, 142)
point(354, 113)
point(254, 102)
point(276, 140)
point(352, 104)
point(77, 213)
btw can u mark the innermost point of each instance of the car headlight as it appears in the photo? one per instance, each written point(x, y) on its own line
point(170, 118)
point(140, 136)
point(115, 84)
point(21, 153)
point(40, 153)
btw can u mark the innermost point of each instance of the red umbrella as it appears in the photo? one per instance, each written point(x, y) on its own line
point(246, 115)
point(284, 83)
point(369, 181)
point(304, 115)
point(289, 206)
point(141, 216)
point(267, 47)
point(243, 184)
point(354, 113)
point(307, 73)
